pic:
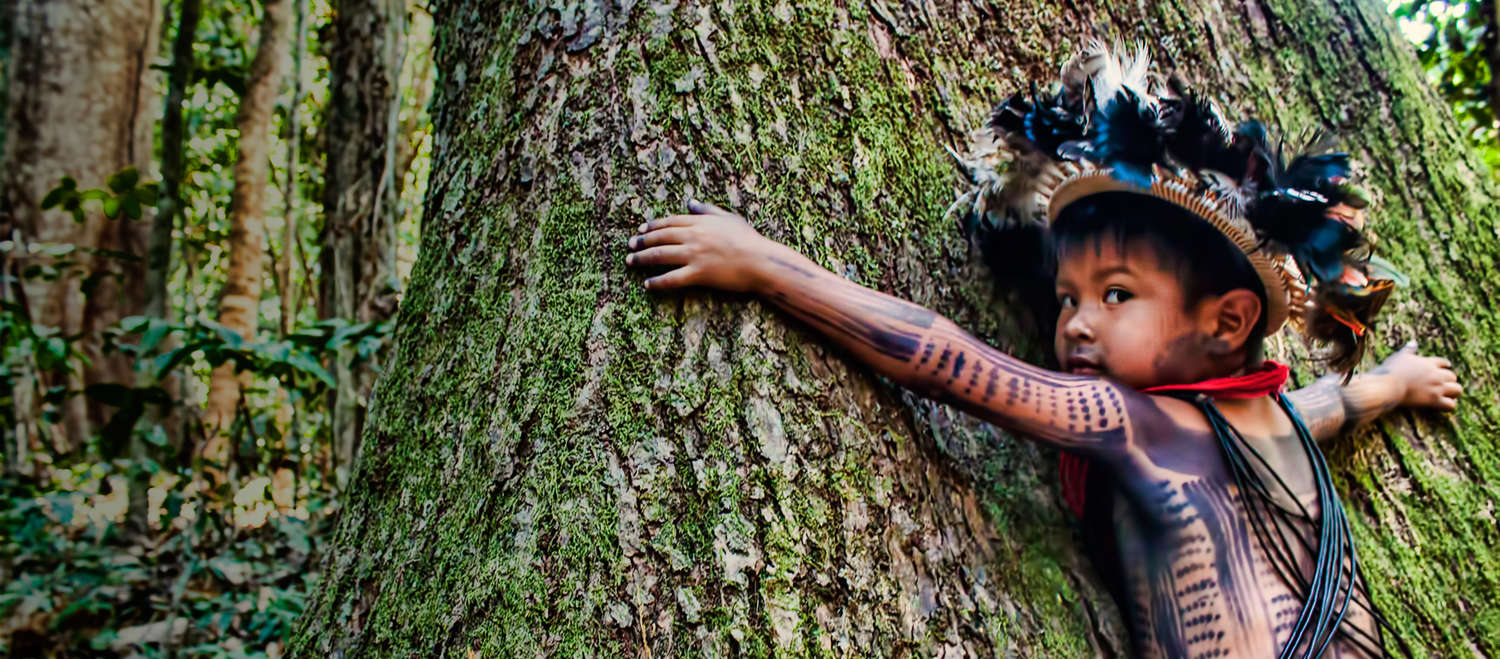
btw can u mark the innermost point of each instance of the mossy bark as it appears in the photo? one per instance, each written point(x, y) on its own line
point(557, 462)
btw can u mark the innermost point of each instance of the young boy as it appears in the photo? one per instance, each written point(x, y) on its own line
point(1229, 537)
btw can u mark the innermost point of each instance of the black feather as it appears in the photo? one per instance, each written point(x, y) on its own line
point(1042, 123)
point(1197, 135)
point(1127, 138)
point(1297, 221)
point(1323, 173)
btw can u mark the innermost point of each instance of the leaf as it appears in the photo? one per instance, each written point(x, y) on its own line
point(156, 330)
point(131, 206)
point(131, 324)
point(77, 214)
point(123, 180)
point(114, 254)
point(154, 394)
point(147, 195)
point(165, 362)
point(112, 207)
point(113, 394)
point(231, 338)
point(114, 437)
point(54, 197)
point(91, 282)
point(57, 350)
point(305, 363)
point(53, 250)
point(157, 437)
point(341, 336)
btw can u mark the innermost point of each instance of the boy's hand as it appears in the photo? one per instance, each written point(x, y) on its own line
point(711, 247)
point(1429, 381)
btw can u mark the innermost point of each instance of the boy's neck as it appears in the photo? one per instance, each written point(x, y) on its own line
point(1267, 378)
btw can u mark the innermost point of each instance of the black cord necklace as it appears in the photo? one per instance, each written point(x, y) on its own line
point(1328, 594)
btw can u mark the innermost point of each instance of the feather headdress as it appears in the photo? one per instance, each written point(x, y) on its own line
point(1113, 125)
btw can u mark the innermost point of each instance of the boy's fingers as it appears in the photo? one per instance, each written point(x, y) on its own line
point(671, 236)
point(664, 255)
point(1448, 404)
point(665, 222)
point(1443, 363)
point(675, 279)
point(705, 208)
point(1452, 390)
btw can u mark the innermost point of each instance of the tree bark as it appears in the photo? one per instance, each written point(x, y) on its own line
point(557, 462)
point(159, 256)
point(360, 195)
point(239, 302)
point(80, 104)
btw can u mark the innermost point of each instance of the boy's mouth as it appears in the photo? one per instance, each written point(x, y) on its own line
point(1083, 362)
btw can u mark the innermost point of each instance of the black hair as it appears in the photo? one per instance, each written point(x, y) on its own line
point(1202, 258)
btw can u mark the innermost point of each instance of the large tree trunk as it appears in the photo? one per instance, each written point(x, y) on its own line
point(360, 194)
point(81, 104)
point(239, 302)
point(558, 462)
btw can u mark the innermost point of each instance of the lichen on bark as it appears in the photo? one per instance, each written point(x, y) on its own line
point(558, 462)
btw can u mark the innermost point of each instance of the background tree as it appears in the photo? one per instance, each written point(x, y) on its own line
point(557, 462)
point(239, 304)
point(362, 187)
point(81, 104)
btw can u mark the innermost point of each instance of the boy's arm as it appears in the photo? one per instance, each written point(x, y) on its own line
point(1405, 378)
point(905, 342)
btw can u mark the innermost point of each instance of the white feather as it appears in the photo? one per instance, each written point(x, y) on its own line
point(1120, 70)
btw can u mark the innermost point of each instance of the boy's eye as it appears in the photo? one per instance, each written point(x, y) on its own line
point(1116, 295)
point(1067, 301)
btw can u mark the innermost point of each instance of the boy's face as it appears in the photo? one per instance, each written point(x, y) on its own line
point(1123, 316)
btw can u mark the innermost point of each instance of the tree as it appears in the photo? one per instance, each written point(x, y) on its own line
point(80, 104)
point(159, 260)
point(557, 462)
point(361, 188)
point(239, 303)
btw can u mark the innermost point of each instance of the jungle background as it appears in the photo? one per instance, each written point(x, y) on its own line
point(199, 285)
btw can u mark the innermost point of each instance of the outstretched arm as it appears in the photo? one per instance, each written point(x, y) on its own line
point(905, 342)
point(1405, 378)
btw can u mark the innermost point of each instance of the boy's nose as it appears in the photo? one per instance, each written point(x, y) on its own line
point(1078, 329)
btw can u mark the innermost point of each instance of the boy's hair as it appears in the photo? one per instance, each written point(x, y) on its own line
point(1203, 260)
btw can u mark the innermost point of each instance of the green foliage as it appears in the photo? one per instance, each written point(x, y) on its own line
point(84, 569)
point(1451, 42)
point(126, 194)
point(236, 567)
point(228, 588)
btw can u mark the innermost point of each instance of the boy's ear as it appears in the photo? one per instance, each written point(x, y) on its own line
point(1234, 317)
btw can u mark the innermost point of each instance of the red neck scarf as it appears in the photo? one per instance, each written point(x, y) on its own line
point(1264, 381)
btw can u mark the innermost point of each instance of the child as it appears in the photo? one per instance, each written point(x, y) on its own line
point(1229, 537)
